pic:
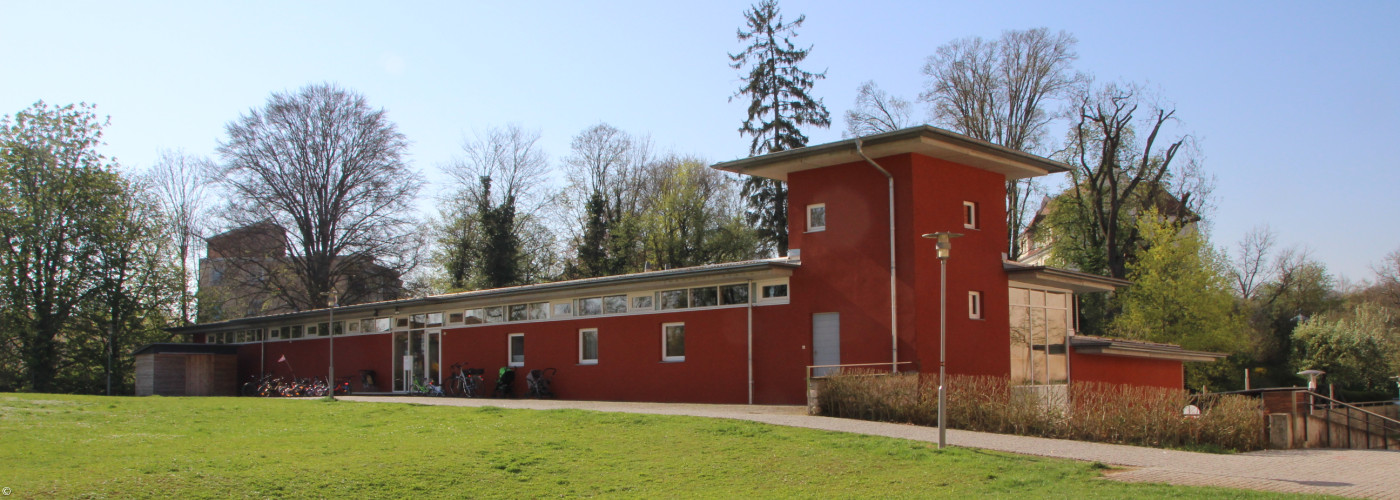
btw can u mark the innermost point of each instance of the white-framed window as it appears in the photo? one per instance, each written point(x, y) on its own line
point(974, 305)
point(734, 294)
point(588, 346)
point(704, 296)
point(672, 299)
point(591, 306)
point(516, 347)
point(563, 309)
point(771, 292)
point(816, 217)
point(615, 304)
point(274, 332)
point(537, 310)
point(454, 318)
point(970, 215)
point(642, 302)
point(673, 342)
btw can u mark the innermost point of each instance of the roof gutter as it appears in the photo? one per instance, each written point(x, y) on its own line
point(894, 294)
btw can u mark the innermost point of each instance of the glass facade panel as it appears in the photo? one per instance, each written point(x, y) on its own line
point(615, 304)
point(1039, 332)
point(734, 294)
point(672, 299)
point(704, 297)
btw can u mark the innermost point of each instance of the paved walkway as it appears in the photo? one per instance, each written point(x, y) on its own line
point(1351, 473)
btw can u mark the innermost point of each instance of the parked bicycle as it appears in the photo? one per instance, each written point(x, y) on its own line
point(425, 388)
point(466, 382)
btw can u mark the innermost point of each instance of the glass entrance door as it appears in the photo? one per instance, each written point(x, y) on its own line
point(417, 355)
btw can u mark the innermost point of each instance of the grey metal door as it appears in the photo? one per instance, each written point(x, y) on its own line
point(826, 342)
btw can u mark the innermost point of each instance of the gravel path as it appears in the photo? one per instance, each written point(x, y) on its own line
point(1350, 473)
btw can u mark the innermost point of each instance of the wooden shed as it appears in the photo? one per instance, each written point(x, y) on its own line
point(187, 370)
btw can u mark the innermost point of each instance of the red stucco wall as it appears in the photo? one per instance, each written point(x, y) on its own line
point(307, 358)
point(845, 268)
point(1125, 370)
point(629, 356)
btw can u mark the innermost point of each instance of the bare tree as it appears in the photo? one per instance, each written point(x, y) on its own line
point(178, 182)
point(510, 156)
point(876, 111)
point(328, 171)
point(490, 235)
point(607, 174)
point(1388, 279)
point(1250, 266)
point(1122, 169)
point(997, 91)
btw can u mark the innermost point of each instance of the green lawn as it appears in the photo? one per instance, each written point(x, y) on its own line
point(87, 446)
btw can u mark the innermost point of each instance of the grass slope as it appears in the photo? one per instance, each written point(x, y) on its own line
point(87, 446)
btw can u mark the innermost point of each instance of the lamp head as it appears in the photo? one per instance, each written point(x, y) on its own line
point(944, 244)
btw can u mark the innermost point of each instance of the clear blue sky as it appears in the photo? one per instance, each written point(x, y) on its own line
point(1294, 104)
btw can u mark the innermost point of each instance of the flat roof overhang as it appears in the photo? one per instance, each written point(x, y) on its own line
point(1138, 349)
point(1064, 279)
point(689, 276)
point(925, 140)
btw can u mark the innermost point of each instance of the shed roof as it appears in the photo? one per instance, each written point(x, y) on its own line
point(1085, 344)
point(742, 269)
point(174, 348)
point(924, 139)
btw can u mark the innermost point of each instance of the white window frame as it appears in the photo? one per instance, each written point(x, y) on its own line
point(974, 305)
point(664, 356)
point(814, 228)
point(758, 297)
point(582, 360)
point(510, 350)
point(970, 215)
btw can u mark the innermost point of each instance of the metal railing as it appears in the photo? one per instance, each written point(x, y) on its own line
point(893, 367)
point(1371, 424)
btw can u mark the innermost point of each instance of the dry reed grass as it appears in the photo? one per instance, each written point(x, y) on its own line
point(1143, 416)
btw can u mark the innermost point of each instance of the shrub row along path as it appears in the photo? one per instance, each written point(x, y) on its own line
point(1351, 473)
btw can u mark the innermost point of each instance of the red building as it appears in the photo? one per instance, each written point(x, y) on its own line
point(860, 287)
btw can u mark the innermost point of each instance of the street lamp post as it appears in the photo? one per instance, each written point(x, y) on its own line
point(330, 335)
point(944, 247)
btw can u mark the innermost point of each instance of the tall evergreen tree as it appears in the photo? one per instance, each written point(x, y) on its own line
point(780, 103)
point(500, 252)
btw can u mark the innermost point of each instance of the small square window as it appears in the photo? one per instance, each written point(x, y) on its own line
point(641, 303)
point(970, 215)
point(673, 342)
point(474, 316)
point(816, 217)
point(517, 349)
point(588, 346)
point(974, 305)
